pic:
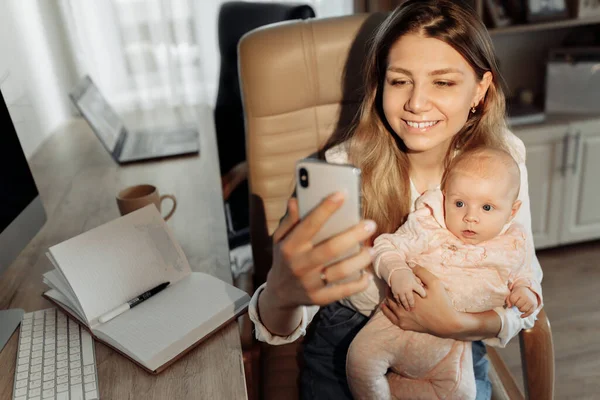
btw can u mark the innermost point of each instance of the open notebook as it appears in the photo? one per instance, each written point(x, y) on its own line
point(106, 267)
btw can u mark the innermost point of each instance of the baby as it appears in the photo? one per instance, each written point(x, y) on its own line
point(465, 235)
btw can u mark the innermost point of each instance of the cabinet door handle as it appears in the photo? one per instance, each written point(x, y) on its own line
point(565, 155)
point(576, 158)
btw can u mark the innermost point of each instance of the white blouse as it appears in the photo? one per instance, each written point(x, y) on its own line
point(366, 301)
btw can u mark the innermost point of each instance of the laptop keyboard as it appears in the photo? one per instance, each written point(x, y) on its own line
point(143, 144)
point(150, 143)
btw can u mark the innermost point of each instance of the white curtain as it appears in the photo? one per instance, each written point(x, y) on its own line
point(148, 53)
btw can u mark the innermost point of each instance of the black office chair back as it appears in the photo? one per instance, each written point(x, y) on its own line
point(236, 18)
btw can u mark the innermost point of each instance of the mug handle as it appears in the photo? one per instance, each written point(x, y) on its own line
point(169, 196)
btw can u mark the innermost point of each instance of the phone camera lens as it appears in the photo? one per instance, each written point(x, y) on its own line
point(303, 176)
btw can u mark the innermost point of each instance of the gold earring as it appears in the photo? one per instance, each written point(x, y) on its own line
point(473, 110)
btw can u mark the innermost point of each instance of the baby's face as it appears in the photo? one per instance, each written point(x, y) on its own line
point(476, 209)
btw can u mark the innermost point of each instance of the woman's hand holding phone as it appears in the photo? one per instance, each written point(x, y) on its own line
point(298, 275)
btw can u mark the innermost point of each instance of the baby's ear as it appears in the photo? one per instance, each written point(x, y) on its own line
point(515, 208)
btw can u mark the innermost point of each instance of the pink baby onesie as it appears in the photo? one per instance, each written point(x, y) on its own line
point(476, 277)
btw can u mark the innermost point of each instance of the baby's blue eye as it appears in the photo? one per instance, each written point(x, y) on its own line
point(459, 204)
point(487, 207)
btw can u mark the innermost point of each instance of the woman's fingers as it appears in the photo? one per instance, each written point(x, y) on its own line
point(396, 311)
point(312, 223)
point(343, 242)
point(289, 221)
point(427, 278)
point(331, 293)
point(336, 246)
point(392, 305)
point(389, 314)
point(420, 290)
point(348, 267)
point(347, 270)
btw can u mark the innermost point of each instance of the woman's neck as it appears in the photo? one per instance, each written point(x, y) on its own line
point(427, 168)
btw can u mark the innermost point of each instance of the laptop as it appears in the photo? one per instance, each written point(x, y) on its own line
point(126, 146)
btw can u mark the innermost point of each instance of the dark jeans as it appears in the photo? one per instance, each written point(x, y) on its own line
point(325, 348)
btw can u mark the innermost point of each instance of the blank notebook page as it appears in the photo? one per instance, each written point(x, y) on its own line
point(168, 323)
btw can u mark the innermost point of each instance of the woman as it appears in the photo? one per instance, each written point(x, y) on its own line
point(432, 90)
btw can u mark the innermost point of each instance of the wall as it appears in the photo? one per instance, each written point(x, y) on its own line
point(35, 79)
point(523, 56)
point(13, 84)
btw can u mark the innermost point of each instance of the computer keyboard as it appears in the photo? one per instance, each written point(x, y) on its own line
point(55, 360)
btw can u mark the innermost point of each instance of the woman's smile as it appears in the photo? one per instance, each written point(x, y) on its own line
point(419, 127)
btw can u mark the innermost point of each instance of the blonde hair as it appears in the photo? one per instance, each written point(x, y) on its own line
point(374, 148)
point(487, 163)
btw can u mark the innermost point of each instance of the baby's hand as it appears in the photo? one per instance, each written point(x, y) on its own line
point(525, 300)
point(404, 283)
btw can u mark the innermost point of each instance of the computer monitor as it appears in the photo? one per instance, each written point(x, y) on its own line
point(21, 211)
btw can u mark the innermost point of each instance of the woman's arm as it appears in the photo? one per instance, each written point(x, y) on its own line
point(435, 314)
point(272, 317)
point(478, 326)
point(280, 321)
point(298, 276)
point(286, 334)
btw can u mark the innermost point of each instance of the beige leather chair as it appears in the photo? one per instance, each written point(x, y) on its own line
point(300, 81)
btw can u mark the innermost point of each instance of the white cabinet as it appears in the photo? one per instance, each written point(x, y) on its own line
point(582, 190)
point(563, 164)
point(545, 149)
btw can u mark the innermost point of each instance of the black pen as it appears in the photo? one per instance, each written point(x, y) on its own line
point(132, 303)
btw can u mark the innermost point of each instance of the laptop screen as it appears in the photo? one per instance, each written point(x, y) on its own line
point(100, 115)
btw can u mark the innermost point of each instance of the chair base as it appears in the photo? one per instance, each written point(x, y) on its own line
point(280, 371)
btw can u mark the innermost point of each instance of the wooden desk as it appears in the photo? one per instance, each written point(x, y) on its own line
point(78, 181)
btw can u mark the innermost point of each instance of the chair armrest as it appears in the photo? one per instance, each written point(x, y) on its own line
point(503, 382)
point(244, 282)
point(233, 178)
point(537, 355)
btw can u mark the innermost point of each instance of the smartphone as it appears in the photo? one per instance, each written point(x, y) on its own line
point(316, 180)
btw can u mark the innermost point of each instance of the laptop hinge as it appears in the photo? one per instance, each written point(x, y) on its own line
point(120, 144)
